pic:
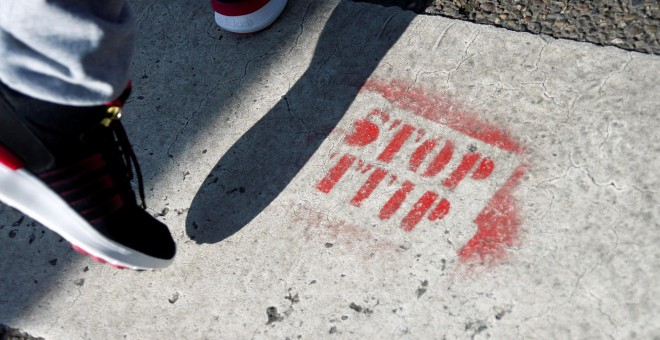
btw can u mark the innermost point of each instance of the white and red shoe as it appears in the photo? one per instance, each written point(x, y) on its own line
point(246, 16)
point(70, 168)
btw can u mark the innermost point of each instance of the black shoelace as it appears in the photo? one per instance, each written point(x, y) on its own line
point(128, 156)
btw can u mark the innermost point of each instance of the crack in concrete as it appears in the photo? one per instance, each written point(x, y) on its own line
point(603, 259)
point(239, 80)
point(293, 117)
point(540, 55)
point(325, 61)
point(192, 116)
point(646, 191)
point(142, 18)
point(621, 70)
point(464, 56)
point(59, 315)
point(213, 25)
point(600, 309)
point(545, 91)
point(552, 202)
point(585, 169)
point(442, 36)
point(527, 319)
point(457, 67)
point(385, 24)
point(302, 27)
point(572, 107)
point(607, 136)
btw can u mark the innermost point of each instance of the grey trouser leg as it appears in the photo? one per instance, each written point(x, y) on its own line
point(72, 52)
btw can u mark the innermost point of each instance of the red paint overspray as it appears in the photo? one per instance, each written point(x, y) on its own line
point(396, 144)
point(468, 161)
point(441, 210)
point(420, 154)
point(498, 224)
point(365, 191)
point(419, 210)
point(396, 200)
point(442, 111)
point(485, 169)
point(364, 133)
point(441, 160)
point(336, 173)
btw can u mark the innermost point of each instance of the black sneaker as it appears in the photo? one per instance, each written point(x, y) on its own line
point(70, 168)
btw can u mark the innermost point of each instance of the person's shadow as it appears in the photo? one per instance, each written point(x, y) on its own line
point(257, 168)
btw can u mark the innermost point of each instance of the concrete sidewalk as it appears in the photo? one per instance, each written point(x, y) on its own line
point(358, 171)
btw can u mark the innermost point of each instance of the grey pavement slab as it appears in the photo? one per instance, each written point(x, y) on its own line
point(358, 171)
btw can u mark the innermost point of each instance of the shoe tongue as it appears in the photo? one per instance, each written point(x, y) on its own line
point(64, 129)
point(66, 120)
point(59, 127)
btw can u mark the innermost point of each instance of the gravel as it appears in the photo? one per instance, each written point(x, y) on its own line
point(8, 333)
point(627, 24)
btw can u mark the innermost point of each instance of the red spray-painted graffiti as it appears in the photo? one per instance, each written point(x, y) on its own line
point(427, 157)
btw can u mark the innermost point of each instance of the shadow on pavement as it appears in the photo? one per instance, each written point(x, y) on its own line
point(259, 166)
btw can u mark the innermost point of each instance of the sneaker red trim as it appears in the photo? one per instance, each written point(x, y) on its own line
point(237, 8)
point(9, 160)
point(119, 101)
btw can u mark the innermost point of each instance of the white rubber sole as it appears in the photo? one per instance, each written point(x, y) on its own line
point(23, 191)
point(253, 22)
